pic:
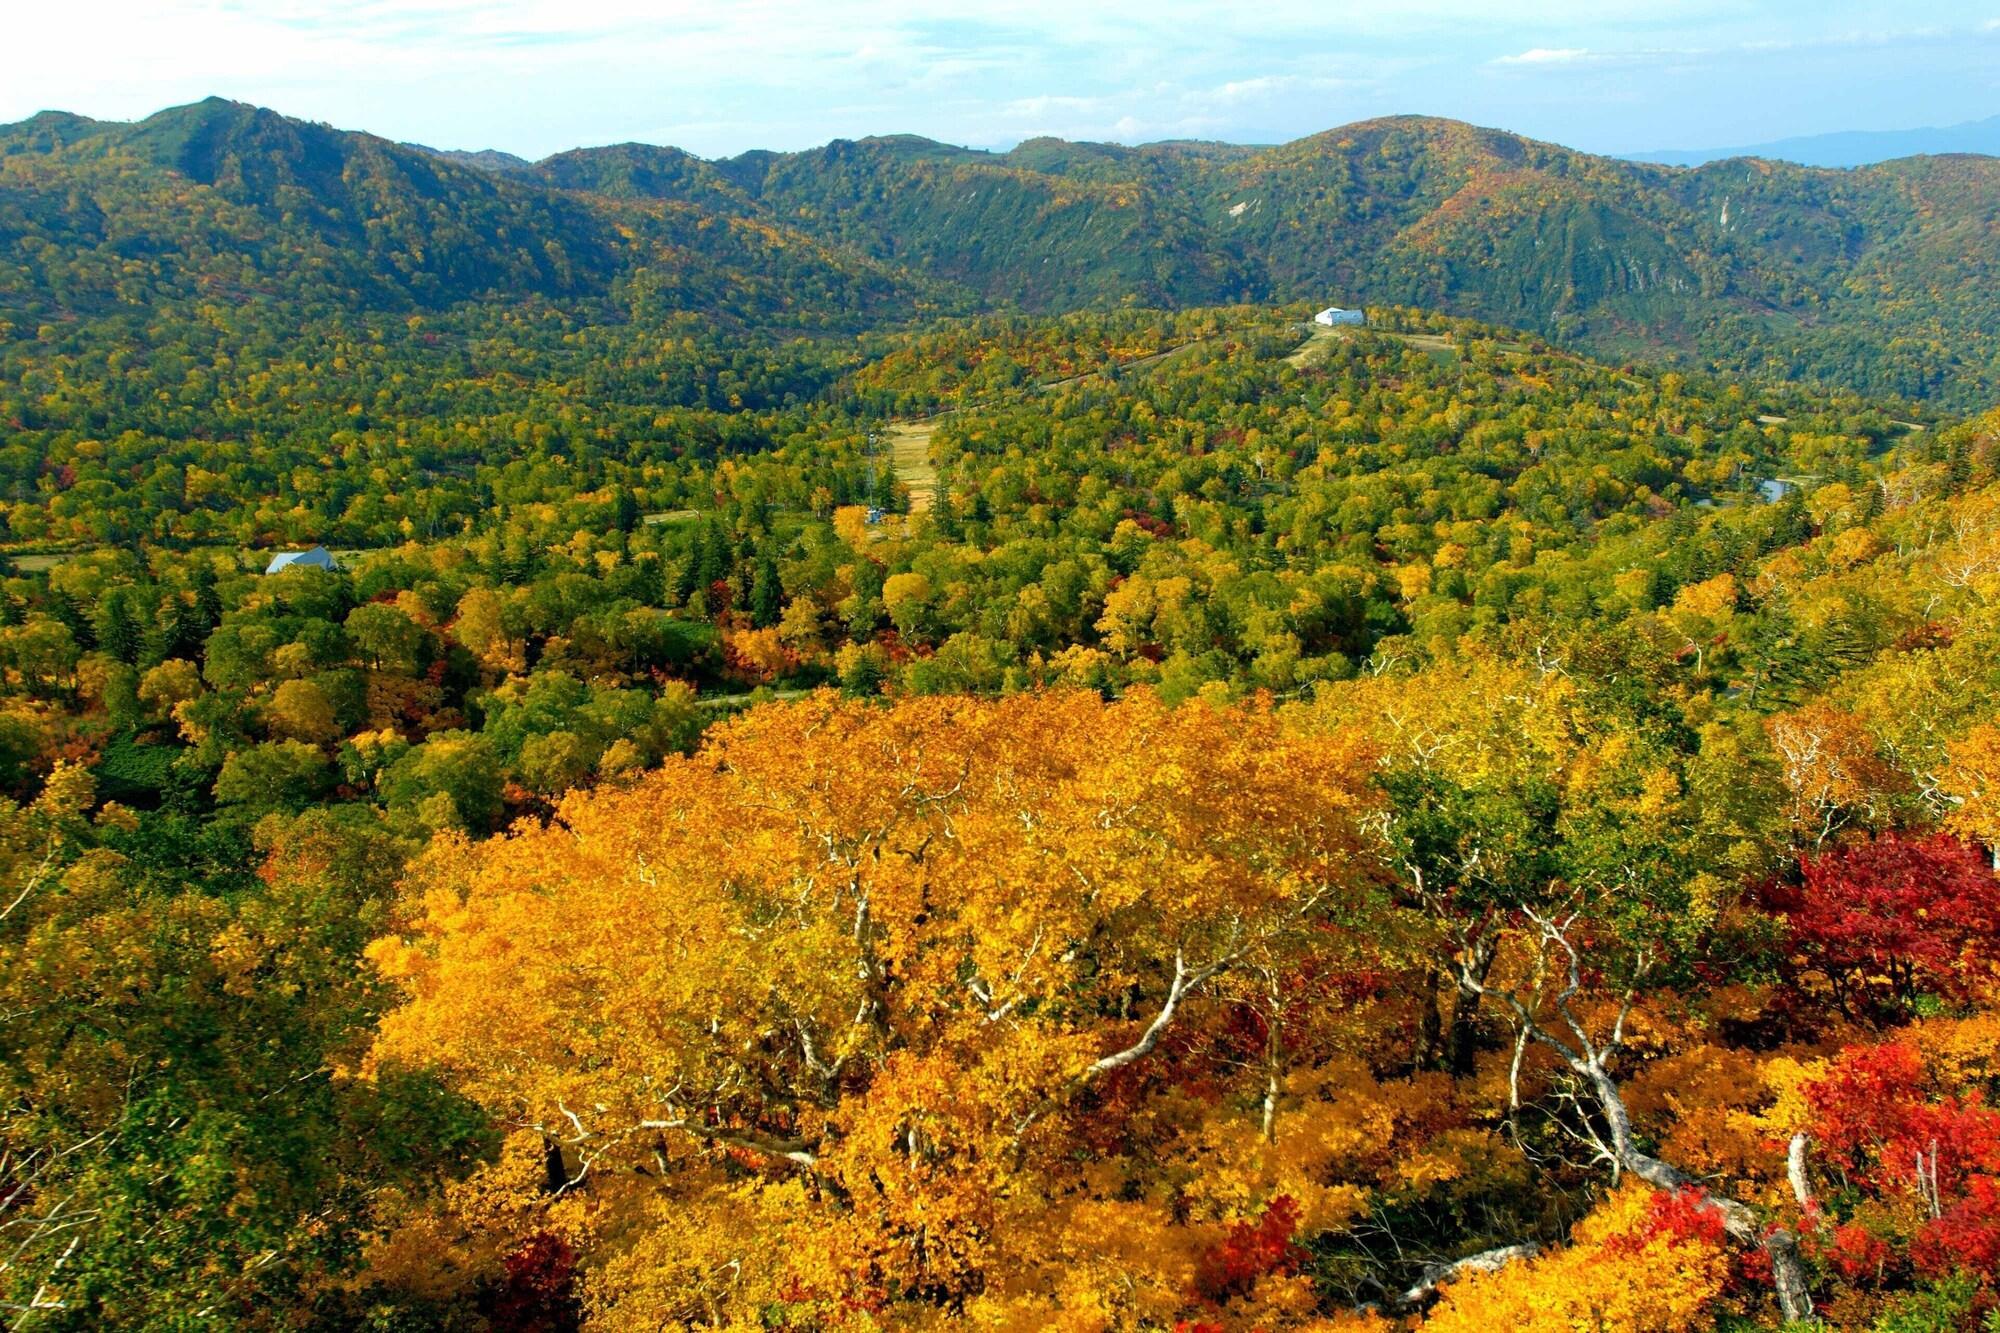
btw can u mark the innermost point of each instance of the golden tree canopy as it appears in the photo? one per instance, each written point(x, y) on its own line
point(856, 974)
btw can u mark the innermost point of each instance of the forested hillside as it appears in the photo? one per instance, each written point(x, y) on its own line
point(1134, 819)
point(1870, 279)
point(224, 205)
point(1877, 279)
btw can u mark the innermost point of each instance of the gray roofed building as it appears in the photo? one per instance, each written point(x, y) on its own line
point(317, 558)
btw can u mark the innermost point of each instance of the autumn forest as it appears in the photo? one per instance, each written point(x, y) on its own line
point(866, 762)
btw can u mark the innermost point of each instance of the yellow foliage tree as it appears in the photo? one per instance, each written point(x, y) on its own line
point(1621, 1273)
point(822, 1015)
point(1972, 781)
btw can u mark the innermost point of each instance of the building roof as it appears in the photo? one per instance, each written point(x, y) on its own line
point(317, 558)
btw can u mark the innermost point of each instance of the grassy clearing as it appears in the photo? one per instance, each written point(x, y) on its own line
point(41, 562)
point(1321, 340)
point(910, 453)
point(1314, 349)
point(1437, 345)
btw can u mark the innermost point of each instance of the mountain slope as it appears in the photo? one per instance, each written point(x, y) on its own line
point(1877, 276)
point(220, 199)
point(1049, 226)
point(486, 159)
point(1881, 277)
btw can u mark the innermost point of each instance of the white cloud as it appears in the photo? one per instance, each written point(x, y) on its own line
point(1545, 55)
point(1272, 88)
point(1250, 90)
point(1166, 109)
point(1139, 115)
point(1576, 57)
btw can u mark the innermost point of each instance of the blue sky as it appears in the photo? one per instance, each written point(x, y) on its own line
point(537, 76)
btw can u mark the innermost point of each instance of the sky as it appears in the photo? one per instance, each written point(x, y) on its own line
point(537, 76)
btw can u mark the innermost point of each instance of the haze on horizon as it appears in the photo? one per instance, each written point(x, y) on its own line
point(538, 76)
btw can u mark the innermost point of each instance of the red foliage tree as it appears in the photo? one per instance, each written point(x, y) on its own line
point(1886, 920)
point(1859, 1253)
point(537, 1293)
point(1683, 1215)
point(1938, 1158)
point(1967, 1237)
point(1249, 1251)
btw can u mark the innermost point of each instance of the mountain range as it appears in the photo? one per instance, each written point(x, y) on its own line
point(1850, 148)
point(1881, 277)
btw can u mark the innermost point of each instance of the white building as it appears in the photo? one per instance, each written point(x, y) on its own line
point(1333, 315)
point(317, 558)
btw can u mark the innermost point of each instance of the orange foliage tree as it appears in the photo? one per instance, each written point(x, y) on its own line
point(821, 1018)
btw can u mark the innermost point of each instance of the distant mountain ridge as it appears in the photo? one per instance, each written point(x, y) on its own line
point(486, 159)
point(1849, 148)
point(1882, 277)
point(223, 199)
point(1765, 266)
